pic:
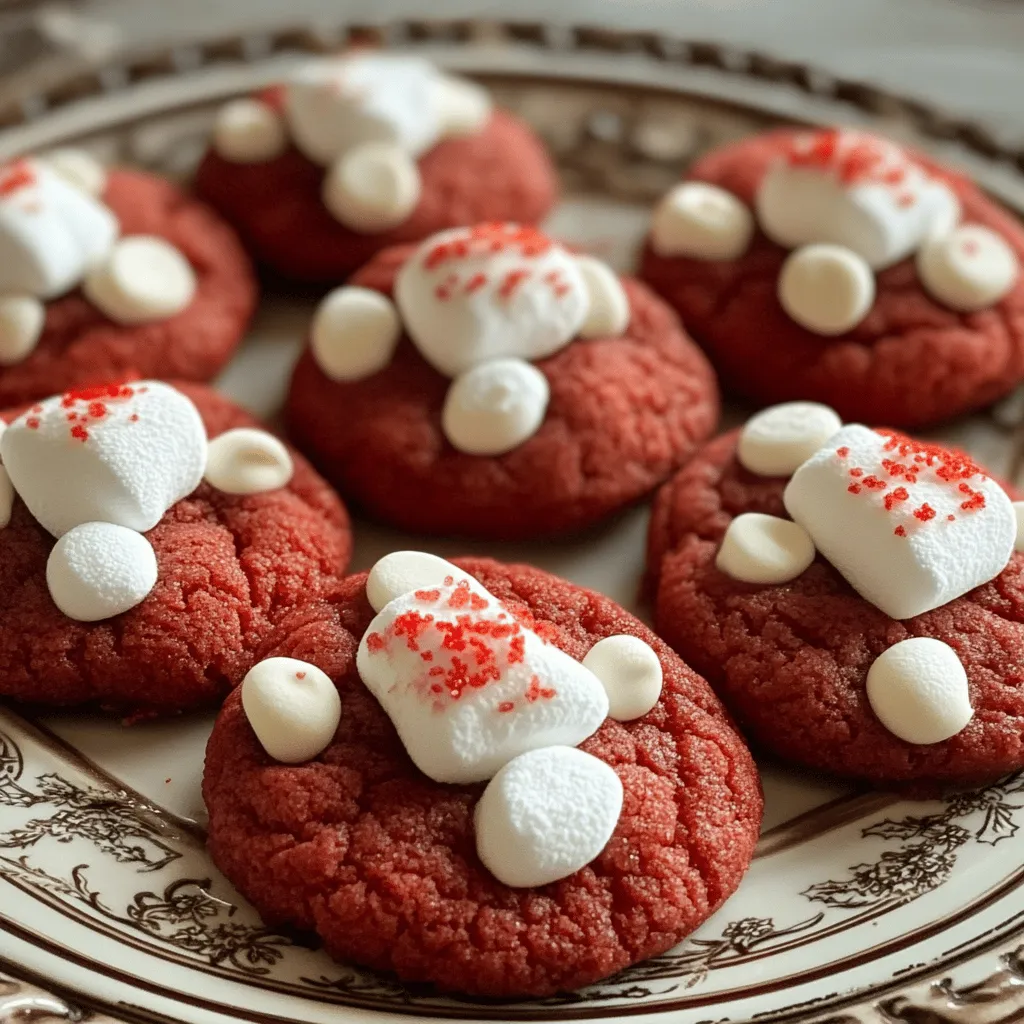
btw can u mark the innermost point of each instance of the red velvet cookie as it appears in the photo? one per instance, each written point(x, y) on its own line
point(361, 847)
point(792, 660)
point(625, 407)
point(80, 345)
point(229, 566)
point(911, 360)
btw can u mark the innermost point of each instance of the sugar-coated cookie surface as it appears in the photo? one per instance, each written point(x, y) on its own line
point(79, 345)
point(228, 567)
point(897, 356)
point(365, 850)
point(792, 661)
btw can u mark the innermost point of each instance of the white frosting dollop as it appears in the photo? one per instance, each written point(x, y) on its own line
point(764, 549)
point(968, 269)
point(401, 572)
point(828, 289)
point(468, 687)
point(355, 332)
point(21, 324)
point(702, 222)
point(248, 131)
point(120, 454)
point(143, 278)
point(545, 815)
point(910, 526)
point(855, 190)
point(51, 231)
point(918, 690)
point(79, 168)
point(247, 461)
point(473, 294)
point(372, 187)
point(98, 570)
point(292, 706)
point(607, 306)
point(495, 407)
point(775, 441)
point(630, 672)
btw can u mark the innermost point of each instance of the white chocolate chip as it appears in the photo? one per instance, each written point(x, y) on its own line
point(918, 690)
point(778, 439)
point(630, 672)
point(463, 108)
point(608, 313)
point(495, 407)
point(78, 167)
point(6, 497)
point(764, 549)
point(1018, 509)
point(402, 572)
point(145, 278)
point(545, 815)
point(355, 332)
point(21, 324)
point(968, 269)
point(98, 570)
point(703, 222)
point(292, 706)
point(826, 288)
point(249, 132)
point(373, 187)
point(247, 461)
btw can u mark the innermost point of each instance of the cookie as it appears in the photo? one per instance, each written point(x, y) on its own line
point(396, 871)
point(161, 586)
point(510, 389)
point(353, 155)
point(136, 280)
point(893, 658)
point(835, 267)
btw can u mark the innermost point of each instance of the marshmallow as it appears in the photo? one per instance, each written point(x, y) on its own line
point(372, 187)
point(21, 323)
point(247, 461)
point(630, 672)
point(911, 526)
point(462, 108)
point(854, 190)
point(495, 407)
point(918, 690)
point(51, 232)
point(249, 132)
point(701, 221)
point(472, 294)
point(775, 441)
point(1018, 511)
point(78, 167)
point(402, 572)
point(6, 498)
point(468, 687)
point(292, 706)
point(608, 308)
point(764, 549)
point(98, 570)
point(545, 815)
point(355, 332)
point(335, 104)
point(968, 269)
point(826, 288)
point(117, 454)
point(144, 278)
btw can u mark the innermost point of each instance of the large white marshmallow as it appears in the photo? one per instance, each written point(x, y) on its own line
point(775, 441)
point(855, 190)
point(910, 526)
point(119, 454)
point(469, 295)
point(545, 815)
point(51, 232)
point(468, 687)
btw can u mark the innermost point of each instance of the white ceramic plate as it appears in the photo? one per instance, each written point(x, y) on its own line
point(858, 906)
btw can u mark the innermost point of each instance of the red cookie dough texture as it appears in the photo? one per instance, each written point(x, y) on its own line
point(501, 173)
point(229, 568)
point(911, 362)
point(80, 346)
point(381, 862)
point(791, 661)
point(624, 413)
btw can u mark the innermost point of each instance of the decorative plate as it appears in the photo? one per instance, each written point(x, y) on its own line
point(859, 906)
